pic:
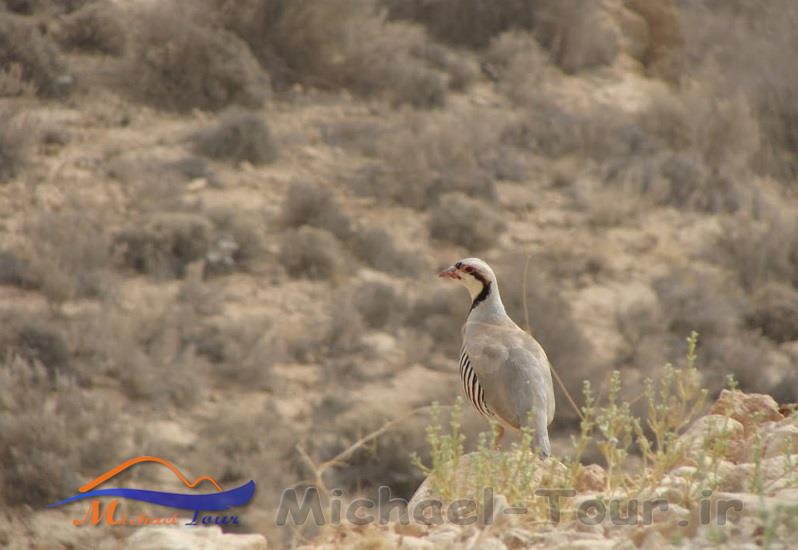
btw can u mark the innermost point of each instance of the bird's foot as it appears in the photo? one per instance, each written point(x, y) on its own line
point(497, 439)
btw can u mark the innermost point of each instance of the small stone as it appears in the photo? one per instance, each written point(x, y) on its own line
point(654, 541)
point(591, 478)
point(202, 538)
point(673, 513)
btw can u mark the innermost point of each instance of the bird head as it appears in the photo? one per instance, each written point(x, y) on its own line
point(473, 273)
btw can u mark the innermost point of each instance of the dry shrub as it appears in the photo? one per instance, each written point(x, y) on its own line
point(35, 340)
point(775, 311)
point(423, 157)
point(339, 43)
point(555, 129)
point(461, 69)
point(517, 62)
point(376, 247)
point(242, 353)
point(690, 150)
point(237, 455)
point(387, 67)
point(67, 254)
point(662, 46)
point(192, 167)
point(238, 137)
point(22, 44)
point(758, 251)
point(148, 353)
point(164, 244)
point(181, 65)
point(379, 304)
point(312, 252)
point(237, 243)
point(578, 35)
point(45, 456)
point(311, 204)
point(13, 83)
point(692, 301)
point(467, 222)
point(48, 7)
point(342, 339)
point(360, 135)
point(722, 131)
point(16, 141)
point(761, 68)
point(471, 23)
point(97, 27)
point(15, 270)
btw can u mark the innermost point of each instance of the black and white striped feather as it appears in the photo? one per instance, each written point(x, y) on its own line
point(471, 386)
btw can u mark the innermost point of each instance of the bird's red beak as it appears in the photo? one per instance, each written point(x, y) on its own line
point(450, 273)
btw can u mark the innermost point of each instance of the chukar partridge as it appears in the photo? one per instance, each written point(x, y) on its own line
point(504, 370)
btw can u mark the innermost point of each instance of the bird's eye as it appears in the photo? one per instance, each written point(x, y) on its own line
point(468, 269)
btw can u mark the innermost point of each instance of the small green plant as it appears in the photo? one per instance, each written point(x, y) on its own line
point(673, 404)
point(446, 451)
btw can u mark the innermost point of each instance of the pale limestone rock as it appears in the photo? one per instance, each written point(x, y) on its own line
point(749, 409)
point(196, 538)
point(703, 430)
point(446, 535)
point(54, 529)
point(653, 541)
point(729, 477)
point(781, 440)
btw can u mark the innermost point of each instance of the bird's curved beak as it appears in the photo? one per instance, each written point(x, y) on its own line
point(450, 273)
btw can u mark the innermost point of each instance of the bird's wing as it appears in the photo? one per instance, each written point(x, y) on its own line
point(513, 371)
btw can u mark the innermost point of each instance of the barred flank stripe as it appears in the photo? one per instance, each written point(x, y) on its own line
point(471, 386)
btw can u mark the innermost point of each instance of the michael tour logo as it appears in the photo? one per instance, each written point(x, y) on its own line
point(198, 502)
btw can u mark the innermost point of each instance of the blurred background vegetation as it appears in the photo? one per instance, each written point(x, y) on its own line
point(220, 220)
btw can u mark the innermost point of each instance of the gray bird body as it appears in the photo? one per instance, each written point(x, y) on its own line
point(504, 370)
point(514, 374)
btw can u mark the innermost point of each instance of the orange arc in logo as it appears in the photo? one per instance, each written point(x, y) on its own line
point(133, 461)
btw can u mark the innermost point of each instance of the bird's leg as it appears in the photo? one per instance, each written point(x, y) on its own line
point(497, 438)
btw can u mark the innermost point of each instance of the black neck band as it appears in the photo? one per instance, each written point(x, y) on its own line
point(482, 295)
